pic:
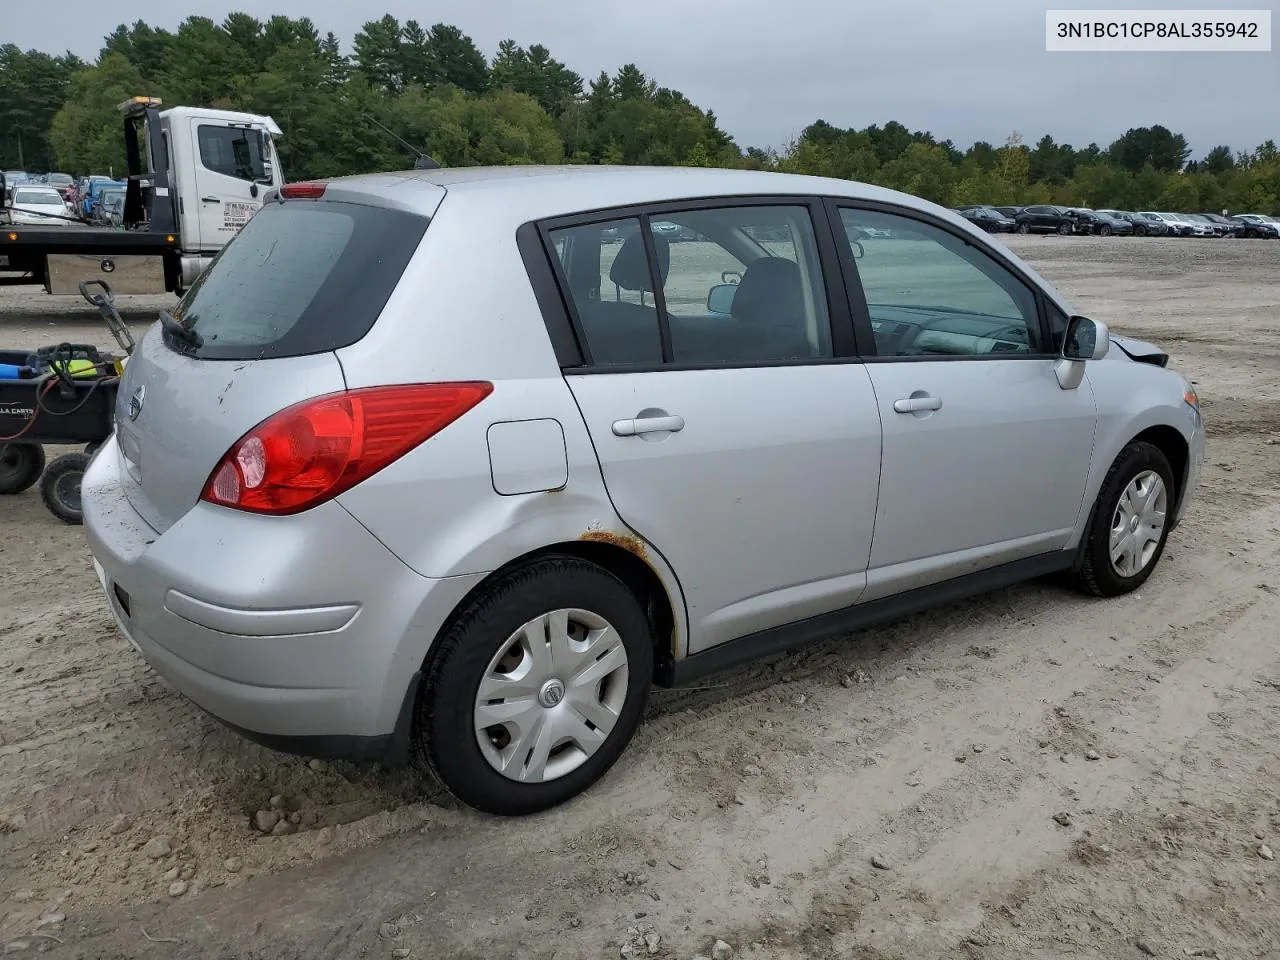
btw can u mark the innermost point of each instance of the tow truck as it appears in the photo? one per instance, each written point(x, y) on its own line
point(195, 177)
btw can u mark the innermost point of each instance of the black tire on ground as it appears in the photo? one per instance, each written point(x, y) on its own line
point(20, 466)
point(1104, 230)
point(1024, 228)
point(60, 486)
point(1064, 228)
point(444, 733)
point(1096, 574)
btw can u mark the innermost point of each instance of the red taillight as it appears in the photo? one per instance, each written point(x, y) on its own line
point(313, 451)
point(303, 191)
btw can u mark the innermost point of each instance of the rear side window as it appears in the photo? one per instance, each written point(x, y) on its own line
point(301, 277)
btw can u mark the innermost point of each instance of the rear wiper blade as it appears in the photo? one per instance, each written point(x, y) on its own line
point(180, 331)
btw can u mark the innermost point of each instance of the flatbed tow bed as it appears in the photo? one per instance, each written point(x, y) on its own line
point(57, 258)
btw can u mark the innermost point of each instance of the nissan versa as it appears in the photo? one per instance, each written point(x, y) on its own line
point(454, 465)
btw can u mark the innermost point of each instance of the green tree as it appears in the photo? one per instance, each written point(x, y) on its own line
point(456, 60)
point(33, 86)
point(536, 73)
point(380, 55)
point(88, 132)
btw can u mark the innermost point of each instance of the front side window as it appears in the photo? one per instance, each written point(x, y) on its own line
point(232, 151)
point(738, 284)
point(931, 294)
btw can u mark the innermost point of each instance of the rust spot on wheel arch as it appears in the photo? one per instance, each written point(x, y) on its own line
point(628, 542)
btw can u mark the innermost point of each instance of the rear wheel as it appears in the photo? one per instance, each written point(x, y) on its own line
point(537, 688)
point(1104, 230)
point(1024, 227)
point(1130, 522)
point(60, 486)
point(20, 466)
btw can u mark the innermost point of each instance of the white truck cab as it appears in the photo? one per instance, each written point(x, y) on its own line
point(221, 163)
point(195, 177)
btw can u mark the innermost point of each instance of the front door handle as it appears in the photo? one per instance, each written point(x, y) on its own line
point(634, 428)
point(917, 404)
point(208, 199)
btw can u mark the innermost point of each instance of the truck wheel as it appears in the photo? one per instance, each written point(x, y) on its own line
point(60, 487)
point(20, 466)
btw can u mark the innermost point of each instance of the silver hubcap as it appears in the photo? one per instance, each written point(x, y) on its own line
point(1138, 523)
point(551, 695)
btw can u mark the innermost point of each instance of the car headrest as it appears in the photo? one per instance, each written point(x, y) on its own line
point(770, 292)
point(630, 268)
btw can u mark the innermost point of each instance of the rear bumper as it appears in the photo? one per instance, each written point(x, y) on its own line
point(302, 632)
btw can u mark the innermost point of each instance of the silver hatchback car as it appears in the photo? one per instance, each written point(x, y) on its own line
point(451, 466)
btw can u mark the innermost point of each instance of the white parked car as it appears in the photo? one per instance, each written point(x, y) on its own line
point(425, 466)
point(38, 206)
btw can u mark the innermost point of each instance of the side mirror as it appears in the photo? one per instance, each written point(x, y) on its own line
point(1085, 340)
point(720, 298)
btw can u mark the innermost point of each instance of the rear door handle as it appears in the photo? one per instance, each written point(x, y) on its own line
point(633, 428)
point(916, 404)
point(208, 199)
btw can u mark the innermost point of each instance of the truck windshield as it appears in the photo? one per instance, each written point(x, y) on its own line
point(301, 277)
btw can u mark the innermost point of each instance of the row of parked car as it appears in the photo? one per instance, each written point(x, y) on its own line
point(1050, 218)
point(35, 199)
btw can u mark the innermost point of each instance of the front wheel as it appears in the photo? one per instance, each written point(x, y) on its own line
point(1130, 522)
point(1104, 230)
point(536, 689)
point(1024, 227)
point(1064, 228)
point(1139, 231)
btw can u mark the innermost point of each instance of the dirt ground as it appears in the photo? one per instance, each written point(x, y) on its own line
point(1044, 775)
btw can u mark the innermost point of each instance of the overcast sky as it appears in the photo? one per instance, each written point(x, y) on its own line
point(972, 70)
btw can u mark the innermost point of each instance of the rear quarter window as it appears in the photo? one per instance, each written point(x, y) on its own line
point(301, 277)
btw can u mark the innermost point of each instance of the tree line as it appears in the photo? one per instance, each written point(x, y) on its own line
point(436, 89)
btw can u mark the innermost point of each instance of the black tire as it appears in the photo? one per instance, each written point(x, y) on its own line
point(444, 735)
point(1024, 227)
point(1139, 231)
point(1096, 574)
point(1104, 231)
point(1064, 228)
point(20, 466)
point(60, 487)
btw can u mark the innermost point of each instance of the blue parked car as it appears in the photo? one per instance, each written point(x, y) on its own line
point(89, 203)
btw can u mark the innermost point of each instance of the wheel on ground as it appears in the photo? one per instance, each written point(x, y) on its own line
point(1064, 228)
point(1139, 231)
point(1104, 230)
point(536, 689)
point(1024, 228)
point(20, 466)
point(60, 486)
point(1130, 522)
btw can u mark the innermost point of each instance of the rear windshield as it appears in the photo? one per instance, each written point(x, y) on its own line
point(303, 276)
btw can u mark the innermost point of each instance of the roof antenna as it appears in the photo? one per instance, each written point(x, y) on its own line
point(421, 161)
